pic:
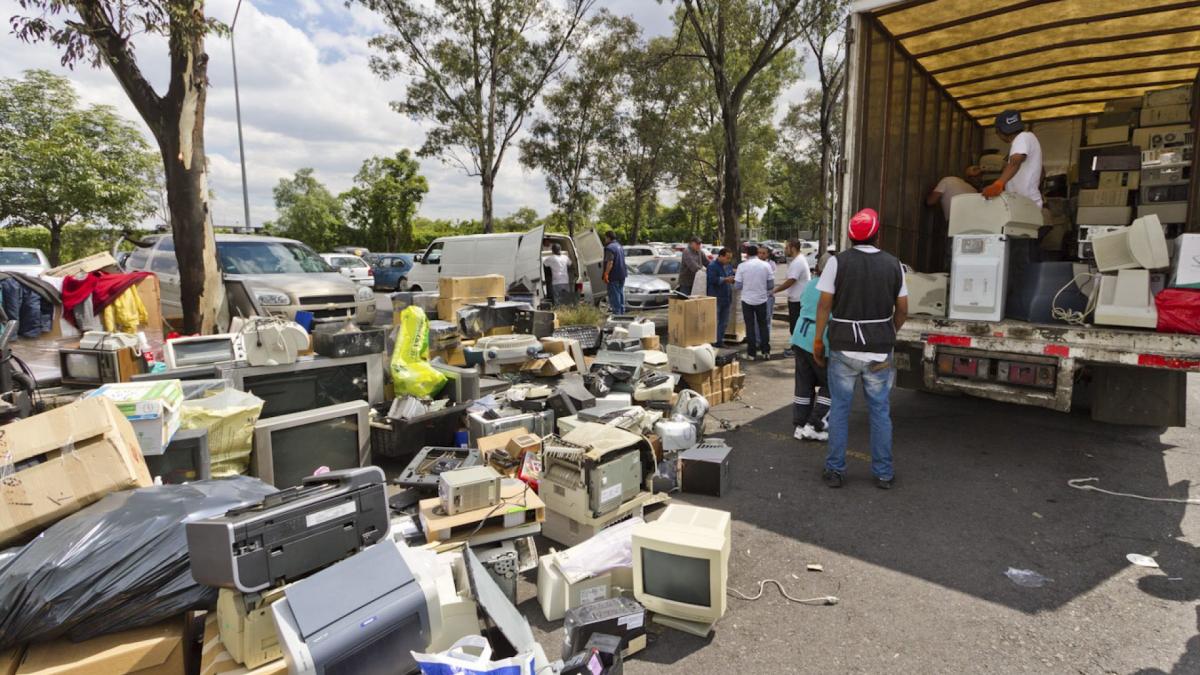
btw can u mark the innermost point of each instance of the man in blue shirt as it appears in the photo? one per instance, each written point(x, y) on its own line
point(720, 286)
point(810, 399)
point(614, 272)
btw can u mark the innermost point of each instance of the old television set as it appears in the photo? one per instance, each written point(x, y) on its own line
point(94, 367)
point(681, 566)
point(185, 459)
point(209, 372)
point(312, 382)
point(199, 350)
point(287, 448)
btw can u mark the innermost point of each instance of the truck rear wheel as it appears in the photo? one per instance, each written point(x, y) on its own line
point(1138, 396)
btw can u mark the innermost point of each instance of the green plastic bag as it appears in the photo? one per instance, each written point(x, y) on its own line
point(411, 373)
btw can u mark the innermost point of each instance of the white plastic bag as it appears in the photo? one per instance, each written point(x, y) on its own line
point(612, 547)
point(456, 661)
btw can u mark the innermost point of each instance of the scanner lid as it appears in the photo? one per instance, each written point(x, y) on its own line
point(339, 590)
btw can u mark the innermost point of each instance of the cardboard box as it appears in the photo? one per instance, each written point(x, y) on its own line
point(153, 650)
point(1161, 97)
point(1124, 180)
point(1104, 135)
point(1186, 271)
point(104, 458)
point(1166, 114)
point(652, 343)
point(692, 321)
point(519, 445)
point(216, 660)
point(555, 365)
point(10, 659)
point(486, 286)
point(152, 408)
point(498, 443)
point(96, 261)
point(1104, 215)
point(1104, 197)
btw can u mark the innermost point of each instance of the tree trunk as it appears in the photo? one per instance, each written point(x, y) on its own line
point(635, 232)
point(732, 197)
point(486, 183)
point(56, 229)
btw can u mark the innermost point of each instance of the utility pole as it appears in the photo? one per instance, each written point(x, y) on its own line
point(237, 104)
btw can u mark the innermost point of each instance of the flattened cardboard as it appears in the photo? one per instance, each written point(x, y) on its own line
point(102, 457)
point(153, 650)
point(96, 261)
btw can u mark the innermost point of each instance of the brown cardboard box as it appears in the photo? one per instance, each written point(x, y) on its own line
point(486, 286)
point(652, 342)
point(10, 659)
point(215, 660)
point(447, 308)
point(153, 650)
point(104, 458)
point(692, 321)
point(555, 365)
point(96, 261)
point(523, 443)
point(489, 446)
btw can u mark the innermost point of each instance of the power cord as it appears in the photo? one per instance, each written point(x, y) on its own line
point(820, 600)
point(1078, 484)
point(1069, 315)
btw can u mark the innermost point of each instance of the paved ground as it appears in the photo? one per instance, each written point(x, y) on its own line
point(920, 570)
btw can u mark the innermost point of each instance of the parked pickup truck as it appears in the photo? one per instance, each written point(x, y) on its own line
point(926, 79)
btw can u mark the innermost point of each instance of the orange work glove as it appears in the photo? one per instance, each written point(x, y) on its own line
point(992, 191)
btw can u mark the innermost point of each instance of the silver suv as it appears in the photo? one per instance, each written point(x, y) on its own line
point(284, 275)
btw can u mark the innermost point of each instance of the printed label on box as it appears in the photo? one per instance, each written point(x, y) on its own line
point(593, 594)
point(329, 514)
point(632, 621)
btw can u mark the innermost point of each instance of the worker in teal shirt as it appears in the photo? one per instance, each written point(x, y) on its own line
point(720, 286)
point(810, 401)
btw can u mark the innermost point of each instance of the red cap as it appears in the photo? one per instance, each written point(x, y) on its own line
point(864, 225)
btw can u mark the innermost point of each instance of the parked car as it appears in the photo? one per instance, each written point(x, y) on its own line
point(391, 270)
point(636, 254)
point(283, 275)
point(356, 268)
point(643, 291)
point(24, 260)
point(665, 268)
point(777, 250)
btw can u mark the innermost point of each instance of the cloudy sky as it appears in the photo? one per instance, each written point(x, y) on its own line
point(308, 99)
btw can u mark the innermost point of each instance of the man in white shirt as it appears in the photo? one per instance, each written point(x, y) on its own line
point(755, 279)
point(560, 281)
point(952, 186)
point(1023, 173)
point(798, 275)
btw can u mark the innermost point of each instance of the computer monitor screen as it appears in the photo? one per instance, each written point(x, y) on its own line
point(284, 394)
point(81, 367)
point(196, 352)
point(288, 448)
point(324, 382)
point(678, 578)
point(185, 459)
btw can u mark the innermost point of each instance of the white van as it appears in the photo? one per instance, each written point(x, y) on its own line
point(515, 255)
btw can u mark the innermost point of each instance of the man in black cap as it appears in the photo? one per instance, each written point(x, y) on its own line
point(1023, 172)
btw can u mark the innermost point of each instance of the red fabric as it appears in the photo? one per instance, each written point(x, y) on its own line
point(103, 288)
point(1178, 311)
point(864, 225)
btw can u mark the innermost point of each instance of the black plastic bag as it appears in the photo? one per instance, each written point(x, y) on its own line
point(118, 564)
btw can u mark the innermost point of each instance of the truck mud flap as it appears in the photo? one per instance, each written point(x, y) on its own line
point(1138, 396)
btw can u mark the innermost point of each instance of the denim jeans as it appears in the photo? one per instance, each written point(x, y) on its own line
point(722, 319)
point(877, 379)
point(757, 322)
point(616, 297)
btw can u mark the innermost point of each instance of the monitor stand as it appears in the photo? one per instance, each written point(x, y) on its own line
point(697, 628)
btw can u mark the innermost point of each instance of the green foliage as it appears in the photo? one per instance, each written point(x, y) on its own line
point(308, 211)
point(61, 164)
point(582, 314)
point(383, 202)
point(78, 241)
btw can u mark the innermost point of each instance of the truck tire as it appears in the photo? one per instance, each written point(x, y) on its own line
point(1138, 396)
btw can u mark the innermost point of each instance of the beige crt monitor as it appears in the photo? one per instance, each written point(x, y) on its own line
point(681, 566)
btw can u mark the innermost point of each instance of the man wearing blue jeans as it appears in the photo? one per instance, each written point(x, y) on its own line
point(614, 272)
point(720, 286)
point(864, 302)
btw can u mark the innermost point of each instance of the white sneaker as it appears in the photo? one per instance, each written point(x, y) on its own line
point(811, 434)
point(799, 435)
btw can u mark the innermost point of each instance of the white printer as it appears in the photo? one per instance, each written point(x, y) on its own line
point(978, 277)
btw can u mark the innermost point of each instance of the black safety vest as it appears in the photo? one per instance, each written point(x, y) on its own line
point(865, 302)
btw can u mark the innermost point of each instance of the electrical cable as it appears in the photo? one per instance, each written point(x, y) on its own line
point(820, 600)
point(1077, 483)
point(1069, 315)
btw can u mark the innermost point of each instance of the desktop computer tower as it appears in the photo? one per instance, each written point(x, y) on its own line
point(978, 277)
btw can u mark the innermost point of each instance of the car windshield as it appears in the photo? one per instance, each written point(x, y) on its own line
point(269, 257)
point(647, 267)
point(19, 258)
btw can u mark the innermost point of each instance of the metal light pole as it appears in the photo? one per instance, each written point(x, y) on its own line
point(237, 103)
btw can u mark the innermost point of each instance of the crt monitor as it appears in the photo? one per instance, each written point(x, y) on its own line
point(288, 448)
point(185, 459)
point(681, 563)
point(312, 382)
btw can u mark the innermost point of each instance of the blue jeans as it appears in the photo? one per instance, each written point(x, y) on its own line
point(877, 379)
point(722, 318)
point(616, 297)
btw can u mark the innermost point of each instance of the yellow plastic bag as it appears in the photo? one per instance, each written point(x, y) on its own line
point(411, 372)
point(229, 416)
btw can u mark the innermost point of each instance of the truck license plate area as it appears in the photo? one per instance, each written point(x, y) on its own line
point(961, 365)
point(1040, 375)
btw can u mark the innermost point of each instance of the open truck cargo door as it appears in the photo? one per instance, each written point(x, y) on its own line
point(591, 256)
point(529, 261)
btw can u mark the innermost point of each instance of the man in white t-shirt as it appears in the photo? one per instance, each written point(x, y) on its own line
point(560, 281)
point(1023, 173)
point(952, 186)
point(798, 276)
point(755, 280)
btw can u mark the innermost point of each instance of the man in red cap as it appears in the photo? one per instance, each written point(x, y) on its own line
point(863, 302)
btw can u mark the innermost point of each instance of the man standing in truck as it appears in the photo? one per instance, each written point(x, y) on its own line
point(1023, 172)
point(864, 302)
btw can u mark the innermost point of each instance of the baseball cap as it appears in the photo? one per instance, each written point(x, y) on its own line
point(864, 225)
point(1009, 122)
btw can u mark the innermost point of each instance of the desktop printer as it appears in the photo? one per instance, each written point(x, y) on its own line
point(591, 470)
point(291, 532)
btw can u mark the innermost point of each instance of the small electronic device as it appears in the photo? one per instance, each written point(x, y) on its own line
point(468, 489)
point(311, 382)
point(704, 468)
point(289, 448)
point(291, 533)
point(501, 562)
point(587, 336)
point(462, 384)
point(425, 470)
point(1142, 244)
point(247, 626)
point(978, 277)
point(681, 566)
point(591, 470)
point(94, 367)
point(349, 341)
point(927, 293)
point(1089, 232)
point(600, 656)
point(622, 344)
point(270, 341)
point(493, 352)
point(534, 322)
point(622, 617)
point(1009, 214)
point(1126, 300)
point(366, 614)
point(212, 372)
point(540, 423)
point(691, 360)
point(186, 458)
point(202, 350)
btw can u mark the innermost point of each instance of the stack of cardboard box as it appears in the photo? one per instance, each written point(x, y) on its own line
point(454, 293)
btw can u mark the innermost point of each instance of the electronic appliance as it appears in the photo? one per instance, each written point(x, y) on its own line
point(1168, 212)
point(186, 458)
point(704, 469)
point(289, 448)
point(1152, 194)
point(621, 617)
point(1173, 96)
point(311, 382)
point(1162, 136)
point(480, 424)
point(493, 352)
point(1166, 175)
point(425, 470)
point(1103, 215)
point(681, 566)
point(1094, 159)
point(1036, 289)
point(978, 274)
point(211, 372)
point(1165, 114)
point(349, 341)
point(695, 359)
point(98, 339)
point(247, 626)
point(502, 563)
point(202, 350)
point(1126, 300)
point(600, 656)
point(366, 614)
point(270, 341)
point(1009, 214)
point(534, 322)
point(94, 367)
point(619, 371)
point(1172, 156)
point(476, 487)
point(462, 384)
point(927, 293)
point(1142, 244)
point(587, 336)
point(591, 470)
point(1087, 233)
point(291, 533)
